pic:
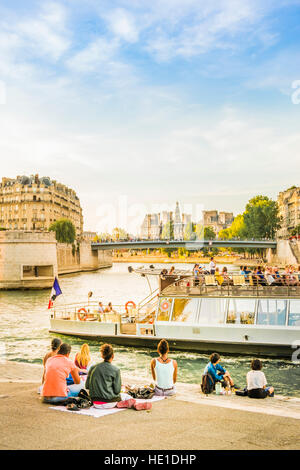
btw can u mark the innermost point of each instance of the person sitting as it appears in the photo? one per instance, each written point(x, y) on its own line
point(164, 371)
point(109, 308)
point(219, 277)
point(104, 384)
point(100, 308)
point(58, 368)
point(260, 276)
point(83, 358)
point(256, 381)
point(226, 279)
point(55, 345)
point(217, 373)
point(171, 272)
point(196, 272)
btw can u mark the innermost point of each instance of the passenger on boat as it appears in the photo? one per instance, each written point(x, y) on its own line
point(217, 372)
point(109, 308)
point(104, 384)
point(55, 389)
point(164, 371)
point(172, 270)
point(55, 345)
point(257, 383)
point(83, 359)
point(100, 308)
point(226, 279)
point(196, 272)
point(212, 266)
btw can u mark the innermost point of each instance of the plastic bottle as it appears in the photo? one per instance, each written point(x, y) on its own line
point(218, 388)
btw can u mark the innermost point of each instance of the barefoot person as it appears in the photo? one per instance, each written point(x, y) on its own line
point(217, 373)
point(164, 371)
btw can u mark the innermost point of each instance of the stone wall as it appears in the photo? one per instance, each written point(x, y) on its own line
point(70, 261)
point(27, 259)
point(286, 253)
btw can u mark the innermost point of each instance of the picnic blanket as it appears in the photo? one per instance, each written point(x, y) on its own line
point(97, 413)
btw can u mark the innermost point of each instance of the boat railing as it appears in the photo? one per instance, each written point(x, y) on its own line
point(89, 311)
point(235, 285)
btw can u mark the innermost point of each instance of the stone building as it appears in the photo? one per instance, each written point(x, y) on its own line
point(34, 203)
point(289, 209)
point(217, 220)
point(151, 227)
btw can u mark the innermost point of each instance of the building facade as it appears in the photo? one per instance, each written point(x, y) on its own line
point(289, 210)
point(34, 203)
point(217, 220)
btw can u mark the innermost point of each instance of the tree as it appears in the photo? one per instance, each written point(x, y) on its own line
point(168, 231)
point(261, 218)
point(295, 231)
point(119, 234)
point(209, 233)
point(189, 233)
point(64, 229)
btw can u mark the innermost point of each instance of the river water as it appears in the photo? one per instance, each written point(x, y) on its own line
point(25, 337)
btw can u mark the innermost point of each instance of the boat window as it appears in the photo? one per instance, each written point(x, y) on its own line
point(294, 316)
point(164, 309)
point(271, 312)
point(212, 311)
point(185, 310)
point(241, 311)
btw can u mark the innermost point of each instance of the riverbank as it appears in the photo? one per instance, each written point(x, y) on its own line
point(190, 420)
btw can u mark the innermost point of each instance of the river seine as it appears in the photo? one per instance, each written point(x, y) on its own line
point(25, 337)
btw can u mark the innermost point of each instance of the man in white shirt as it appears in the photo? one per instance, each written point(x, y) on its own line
point(212, 266)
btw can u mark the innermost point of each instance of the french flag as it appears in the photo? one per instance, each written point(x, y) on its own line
point(56, 291)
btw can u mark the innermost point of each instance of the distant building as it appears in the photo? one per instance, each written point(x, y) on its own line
point(289, 209)
point(89, 236)
point(153, 224)
point(34, 203)
point(217, 220)
point(151, 227)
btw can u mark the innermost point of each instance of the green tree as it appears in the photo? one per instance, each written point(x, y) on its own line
point(261, 218)
point(64, 229)
point(209, 233)
point(294, 231)
point(168, 231)
point(189, 233)
point(119, 234)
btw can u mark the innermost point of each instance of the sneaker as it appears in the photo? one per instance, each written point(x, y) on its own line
point(143, 406)
point(126, 403)
point(236, 387)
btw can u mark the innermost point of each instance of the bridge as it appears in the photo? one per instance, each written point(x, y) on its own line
point(194, 245)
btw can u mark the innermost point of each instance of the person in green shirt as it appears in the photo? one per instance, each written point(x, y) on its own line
point(104, 380)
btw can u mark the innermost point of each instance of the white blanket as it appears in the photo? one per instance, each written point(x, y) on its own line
point(97, 413)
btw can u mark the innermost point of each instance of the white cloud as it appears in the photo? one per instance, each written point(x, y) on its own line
point(96, 53)
point(122, 24)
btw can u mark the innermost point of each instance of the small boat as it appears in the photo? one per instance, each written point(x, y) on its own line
point(194, 314)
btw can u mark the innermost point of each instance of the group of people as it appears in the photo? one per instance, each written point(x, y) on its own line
point(108, 309)
point(265, 276)
point(63, 378)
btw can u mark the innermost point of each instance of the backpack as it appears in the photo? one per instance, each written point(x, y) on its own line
point(207, 384)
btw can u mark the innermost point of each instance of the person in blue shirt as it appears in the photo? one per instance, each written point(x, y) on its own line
point(217, 372)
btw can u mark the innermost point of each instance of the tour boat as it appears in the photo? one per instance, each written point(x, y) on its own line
point(194, 314)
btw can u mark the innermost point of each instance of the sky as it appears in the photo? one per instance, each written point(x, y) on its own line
point(139, 104)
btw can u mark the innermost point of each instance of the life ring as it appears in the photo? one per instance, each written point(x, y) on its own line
point(130, 302)
point(164, 306)
point(84, 316)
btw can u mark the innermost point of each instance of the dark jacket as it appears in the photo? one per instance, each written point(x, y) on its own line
point(104, 382)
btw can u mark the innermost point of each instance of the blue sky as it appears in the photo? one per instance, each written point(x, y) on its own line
point(155, 101)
